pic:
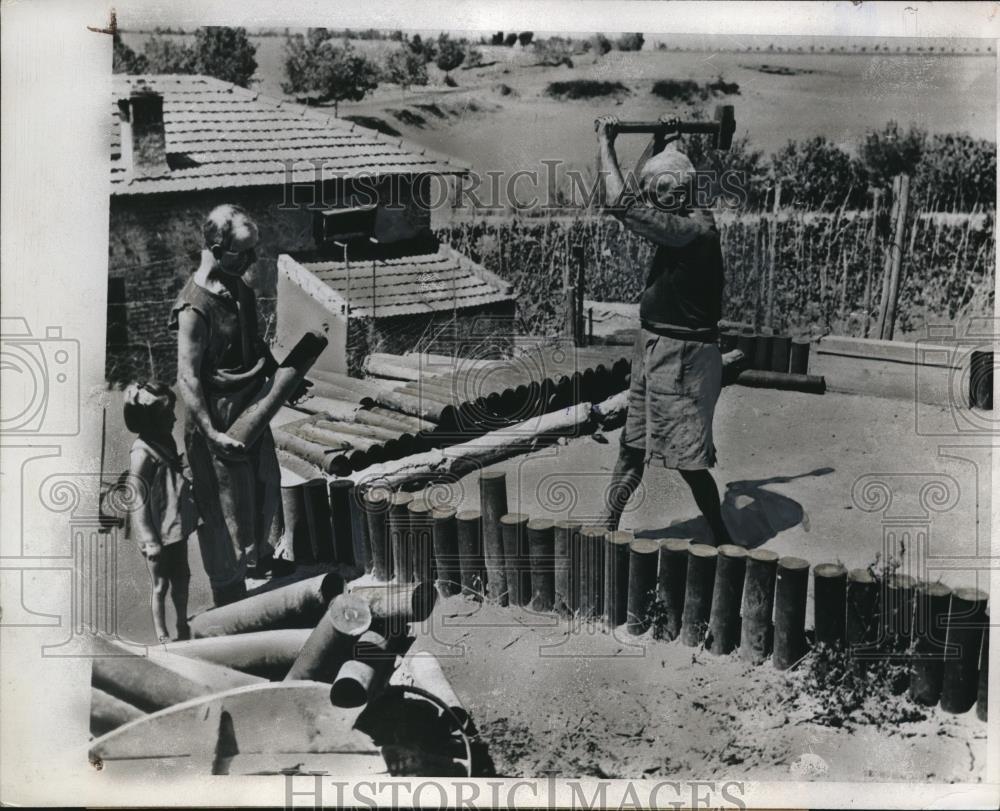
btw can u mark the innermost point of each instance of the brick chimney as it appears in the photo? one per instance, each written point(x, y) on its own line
point(144, 143)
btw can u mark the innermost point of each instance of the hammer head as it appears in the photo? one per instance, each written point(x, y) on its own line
point(725, 117)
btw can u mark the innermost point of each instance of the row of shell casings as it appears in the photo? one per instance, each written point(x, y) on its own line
point(510, 391)
point(338, 447)
point(768, 352)
point(724, 598)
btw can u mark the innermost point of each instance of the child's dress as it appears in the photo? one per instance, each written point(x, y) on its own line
point(171, 505)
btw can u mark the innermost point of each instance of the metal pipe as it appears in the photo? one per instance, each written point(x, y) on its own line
point(798, 362)
point(790, 591)
point(255, 418)
point(616, 557)
point(399, 536)
point(757, 633)
point(727, 596)
point(671, 580)
point(359, 678)
point(297, 605)
point(929, 643)
point(317, 508)
point(966, 624)
point(830, 604)
point(332, 641)
point(377, 501)
point(493, 504)
point(421, 540)
point(541, 551)
point(642, 572)
point(513, 529)
point(566, 541)
point(591, 571)
point(267, 654)
point(340, 493)
point(293, 507)
point(446, 552)
point(698, 593)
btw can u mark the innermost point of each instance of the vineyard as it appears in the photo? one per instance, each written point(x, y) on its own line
point(807, 273)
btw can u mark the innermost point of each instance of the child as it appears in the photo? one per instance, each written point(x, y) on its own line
point(162, 514)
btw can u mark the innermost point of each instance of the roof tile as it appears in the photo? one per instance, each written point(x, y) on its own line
point(236, 137)
point(409, 285)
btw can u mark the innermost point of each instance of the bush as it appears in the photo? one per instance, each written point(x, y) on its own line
point(525, 38)
point(497, 38)
point(167, 55)
point(601, 44)
point(320, 71)
point(125, 60)
point(424, 48)
point(554, 51)
point(575, 89)
point(405, 68)
point(630, 42)
point(679, 90)
point(473, 57)
point(509, 40)
point(890, 151)
point(225, 53)
point(450, 53)
point(818, 174)
point(956, 172)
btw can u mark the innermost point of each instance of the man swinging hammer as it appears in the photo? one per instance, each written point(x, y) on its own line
point(676, 363)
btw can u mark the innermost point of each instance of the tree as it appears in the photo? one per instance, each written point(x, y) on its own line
point(424, 48)
point(825, 175)
point(450, 55)
point(525, 38)
point(405, 68)
point(554, 51)
point(497, 38)
point(890, 152)
point(166, 55)
point(601, 44)
point(473, 57)
point(630, 42)
point(327, 72)
point(125, 60)
point(509, 40)
point(225, 53)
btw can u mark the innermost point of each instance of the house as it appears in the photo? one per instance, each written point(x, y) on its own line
point(180, 145)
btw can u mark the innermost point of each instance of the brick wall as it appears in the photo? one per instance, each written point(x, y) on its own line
point(155, 244)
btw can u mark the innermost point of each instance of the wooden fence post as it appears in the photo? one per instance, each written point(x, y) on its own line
point(578, 258)
point(894, 258)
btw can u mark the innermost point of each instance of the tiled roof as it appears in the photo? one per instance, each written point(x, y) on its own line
point(409, 285)
point(220, 135)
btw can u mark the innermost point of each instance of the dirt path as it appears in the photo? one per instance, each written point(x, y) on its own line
point(579, 701)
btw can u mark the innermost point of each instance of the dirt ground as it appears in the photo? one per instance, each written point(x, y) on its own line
point(590, 703)
point(549, 695)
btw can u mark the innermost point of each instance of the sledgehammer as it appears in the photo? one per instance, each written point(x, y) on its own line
point(721, 129)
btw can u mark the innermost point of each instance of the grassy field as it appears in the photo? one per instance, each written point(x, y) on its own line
point(837, 95)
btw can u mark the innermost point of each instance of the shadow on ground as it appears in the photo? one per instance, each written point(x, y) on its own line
point(753, 514)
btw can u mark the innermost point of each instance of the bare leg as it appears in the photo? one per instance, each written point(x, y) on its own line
point(624, 481)
point(179, 597)
point(158, 600)
point(706, 496)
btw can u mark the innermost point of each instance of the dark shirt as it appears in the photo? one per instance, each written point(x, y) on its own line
point(686, 276)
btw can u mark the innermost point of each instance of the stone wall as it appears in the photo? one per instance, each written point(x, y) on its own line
point(155, 244)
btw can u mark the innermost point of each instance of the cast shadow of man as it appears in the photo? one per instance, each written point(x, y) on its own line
point(753, 514)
